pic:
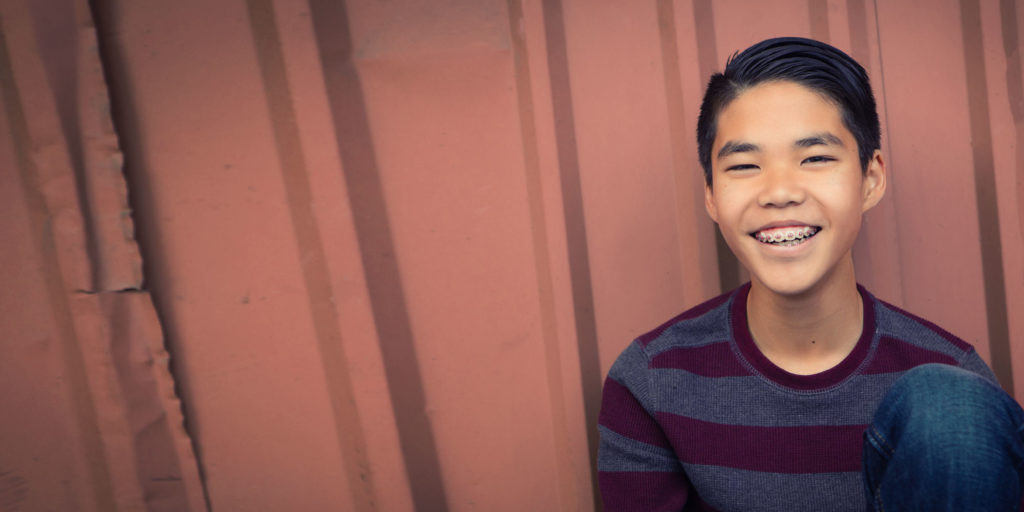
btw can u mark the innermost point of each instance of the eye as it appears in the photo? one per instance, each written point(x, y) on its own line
point(741, 167)
point(818, 159)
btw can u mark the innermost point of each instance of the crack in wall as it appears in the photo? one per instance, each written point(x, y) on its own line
point(130, 165)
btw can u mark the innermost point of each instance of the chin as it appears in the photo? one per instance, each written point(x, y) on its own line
point(801, 280)
point(787, 280)
point(784, 287)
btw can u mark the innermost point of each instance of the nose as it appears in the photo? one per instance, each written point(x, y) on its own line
point(781, 187)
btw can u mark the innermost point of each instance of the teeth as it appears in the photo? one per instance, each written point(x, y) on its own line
point(785, 236)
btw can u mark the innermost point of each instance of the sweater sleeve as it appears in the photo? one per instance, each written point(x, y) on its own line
point(637, 468)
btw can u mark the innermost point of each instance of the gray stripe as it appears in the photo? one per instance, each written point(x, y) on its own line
point(620, 453)
point(630, 370)
point(752, 491)
point(711, 327)
point(896, 325)
point(756, 401)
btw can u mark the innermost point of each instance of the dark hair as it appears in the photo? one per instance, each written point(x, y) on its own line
point(813, 64)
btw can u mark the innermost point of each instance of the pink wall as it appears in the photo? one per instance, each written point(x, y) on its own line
point(392, 248)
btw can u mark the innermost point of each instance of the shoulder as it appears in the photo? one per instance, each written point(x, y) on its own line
point(705, 323)
point(904, 336)
point(895, 322)
point(696, 340)
point(699, 331)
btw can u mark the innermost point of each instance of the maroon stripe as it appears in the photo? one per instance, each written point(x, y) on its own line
point(634, 491)
point(622, 413)
point(893, 355)
point(957, 342)
point(693, 312)
point(714, 360)
point(804, 449)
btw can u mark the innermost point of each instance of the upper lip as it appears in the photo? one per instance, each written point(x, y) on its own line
point(782, 224)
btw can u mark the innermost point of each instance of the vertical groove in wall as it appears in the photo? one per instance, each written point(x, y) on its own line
point(57, 290)
point(818, 15)
point(373, 230)
point(542, 264)
point(858, 23)
point(707, 62)
point(860, 42)
point(575, 221)
point(60, 23)
point(856, 15)
point(1015, 91)
point(683, 156)
point(985, 192)
point(347, 425)
point(880, 238)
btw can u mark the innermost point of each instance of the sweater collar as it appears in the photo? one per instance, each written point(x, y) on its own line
point(825, 379)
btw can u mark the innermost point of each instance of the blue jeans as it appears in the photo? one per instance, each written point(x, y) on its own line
point(944, 438)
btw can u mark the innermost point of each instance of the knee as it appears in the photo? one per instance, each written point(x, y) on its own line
point(936, 385)
point(942, 402)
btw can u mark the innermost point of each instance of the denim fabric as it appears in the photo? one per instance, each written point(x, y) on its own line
point(944, 438)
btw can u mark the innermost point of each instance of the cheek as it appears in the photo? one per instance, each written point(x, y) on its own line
point(847, 211)
point(844, 197)
point(725, 212)
point(728, 201)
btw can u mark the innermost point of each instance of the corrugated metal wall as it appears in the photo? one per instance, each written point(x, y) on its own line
point(393, 247)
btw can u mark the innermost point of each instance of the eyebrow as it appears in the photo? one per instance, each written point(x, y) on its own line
point(733, 146)
point(817, 139)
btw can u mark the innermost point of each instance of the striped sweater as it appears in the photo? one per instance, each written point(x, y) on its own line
point(694, 417)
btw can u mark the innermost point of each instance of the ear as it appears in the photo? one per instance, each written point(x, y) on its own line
point(709, 202)
point(873, 184)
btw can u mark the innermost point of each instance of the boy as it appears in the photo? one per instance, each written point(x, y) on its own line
point(800, 390)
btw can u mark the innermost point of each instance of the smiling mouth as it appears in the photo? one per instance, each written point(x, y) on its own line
point(786, 236)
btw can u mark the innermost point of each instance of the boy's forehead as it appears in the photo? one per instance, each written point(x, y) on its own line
point(777, 112)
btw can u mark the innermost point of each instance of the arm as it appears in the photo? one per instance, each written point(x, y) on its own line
point(637, 468)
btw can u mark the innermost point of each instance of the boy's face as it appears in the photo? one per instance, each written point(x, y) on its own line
point(788, 191)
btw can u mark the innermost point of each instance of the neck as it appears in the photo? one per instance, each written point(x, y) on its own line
point(809, 332)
